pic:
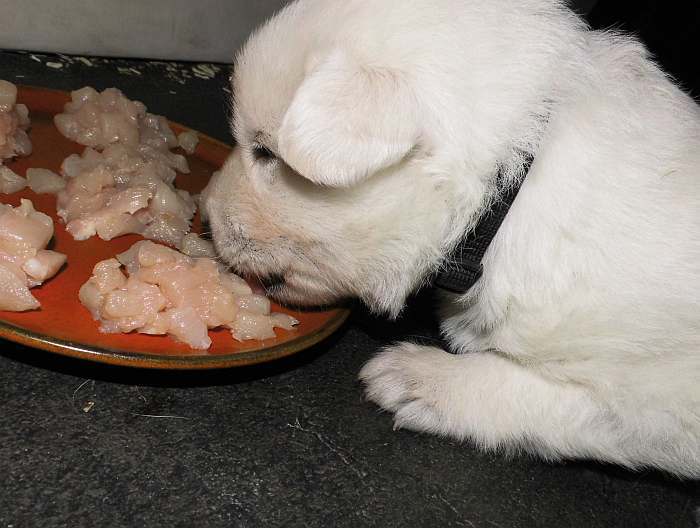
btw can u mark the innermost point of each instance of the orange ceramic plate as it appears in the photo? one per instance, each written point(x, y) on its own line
point(64, 326)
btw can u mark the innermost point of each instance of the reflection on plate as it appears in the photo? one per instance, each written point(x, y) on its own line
point(64, 326)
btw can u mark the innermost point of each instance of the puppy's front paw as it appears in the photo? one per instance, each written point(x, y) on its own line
point(489, 399)
point(413, 382)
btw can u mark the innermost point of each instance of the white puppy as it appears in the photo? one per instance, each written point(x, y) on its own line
point(374, 134)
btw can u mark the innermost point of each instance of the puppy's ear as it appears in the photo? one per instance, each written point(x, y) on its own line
point(346, 121)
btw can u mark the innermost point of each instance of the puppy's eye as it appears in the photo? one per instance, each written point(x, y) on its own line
point(262, 153)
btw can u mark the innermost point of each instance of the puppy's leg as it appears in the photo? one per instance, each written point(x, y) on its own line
point(491, 400)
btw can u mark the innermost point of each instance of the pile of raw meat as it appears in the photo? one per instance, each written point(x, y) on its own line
point(166, 292)
point(124, 181)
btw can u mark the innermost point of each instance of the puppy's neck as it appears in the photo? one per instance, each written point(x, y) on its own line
point(462, 268)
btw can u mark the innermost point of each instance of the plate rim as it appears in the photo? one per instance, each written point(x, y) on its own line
point(121, 358)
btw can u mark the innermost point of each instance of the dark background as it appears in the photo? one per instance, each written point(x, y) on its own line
point(670, 30)
point(290, 443)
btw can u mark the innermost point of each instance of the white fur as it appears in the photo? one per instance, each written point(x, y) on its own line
point(391, 120)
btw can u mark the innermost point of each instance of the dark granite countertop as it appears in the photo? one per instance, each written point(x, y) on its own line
point(290, 443)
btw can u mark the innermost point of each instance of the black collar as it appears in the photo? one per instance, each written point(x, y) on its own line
point(462, 268)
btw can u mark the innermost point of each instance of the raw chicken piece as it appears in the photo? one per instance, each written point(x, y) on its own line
point(123, 190)
point(155, 132)
point(8, 96)
point(14, 121)
point(44, 181)
point(249, 325)
point(195, 246)
point(167, 292)
point(167, 228)
point(188, 141)
point(10, 182)
point(24, 261)
point(44, 265)
point(14, 292)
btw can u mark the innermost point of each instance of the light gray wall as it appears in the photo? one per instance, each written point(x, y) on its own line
point(199, 30)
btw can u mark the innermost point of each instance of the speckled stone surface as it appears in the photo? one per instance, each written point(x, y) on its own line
point(285, 444)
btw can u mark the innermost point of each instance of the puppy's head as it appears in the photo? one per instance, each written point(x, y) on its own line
point(344, 182)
